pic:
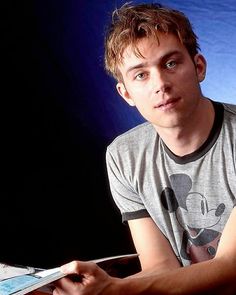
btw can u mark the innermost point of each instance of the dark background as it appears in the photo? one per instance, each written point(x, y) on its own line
point(59, 111)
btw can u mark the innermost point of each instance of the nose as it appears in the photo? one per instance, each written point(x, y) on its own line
point(161, 81)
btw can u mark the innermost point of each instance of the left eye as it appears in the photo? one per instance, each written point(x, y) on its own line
point(170, 64)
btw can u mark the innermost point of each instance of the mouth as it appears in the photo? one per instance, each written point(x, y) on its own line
point(167, 104)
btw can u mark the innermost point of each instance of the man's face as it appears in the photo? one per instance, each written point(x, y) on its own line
point(164, 83)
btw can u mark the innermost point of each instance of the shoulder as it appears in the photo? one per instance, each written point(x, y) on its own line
point(225, 112)
point(228, 112)
point(229, 115)
point(229, 109)
point(134, 137)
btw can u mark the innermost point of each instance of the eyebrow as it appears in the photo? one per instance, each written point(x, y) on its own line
point(144, 64)
point(138, 66)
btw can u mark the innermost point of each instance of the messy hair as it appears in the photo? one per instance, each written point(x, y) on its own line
point(130, 23)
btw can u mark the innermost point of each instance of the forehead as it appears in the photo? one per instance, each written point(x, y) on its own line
point(148, 48)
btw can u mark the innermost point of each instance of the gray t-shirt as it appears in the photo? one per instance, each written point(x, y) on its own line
point(190, 198)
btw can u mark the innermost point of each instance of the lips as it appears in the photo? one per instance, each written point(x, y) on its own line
point(167, 103)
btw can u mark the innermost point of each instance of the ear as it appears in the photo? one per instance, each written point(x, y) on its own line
point(124, 93)
point(201, 65)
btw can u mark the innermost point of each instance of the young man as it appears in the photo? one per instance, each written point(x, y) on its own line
point(173, 177)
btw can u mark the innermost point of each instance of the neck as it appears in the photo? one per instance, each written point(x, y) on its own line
point(189, 136)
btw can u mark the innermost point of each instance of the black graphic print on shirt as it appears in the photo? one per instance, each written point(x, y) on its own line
point(196, 217)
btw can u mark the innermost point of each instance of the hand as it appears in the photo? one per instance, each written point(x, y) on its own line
point(37, 293)
point(84, 278)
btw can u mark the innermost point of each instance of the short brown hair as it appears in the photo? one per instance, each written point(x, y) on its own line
point(130, 23)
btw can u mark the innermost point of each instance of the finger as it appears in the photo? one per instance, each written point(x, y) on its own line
point(71, 267)
point(78, 267)
point(66, 286)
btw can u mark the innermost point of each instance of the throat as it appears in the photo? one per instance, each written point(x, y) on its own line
point(189, 137)
point(184, 146)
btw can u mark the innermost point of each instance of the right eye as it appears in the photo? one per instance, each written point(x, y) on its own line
point(140, 76)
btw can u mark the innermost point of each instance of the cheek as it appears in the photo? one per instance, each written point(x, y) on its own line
point(140, 92)
point(188, 79)
point(142, 98)
point(145, 109)
point(187, 73)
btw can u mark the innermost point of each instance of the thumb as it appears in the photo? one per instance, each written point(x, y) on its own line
point(78, 267)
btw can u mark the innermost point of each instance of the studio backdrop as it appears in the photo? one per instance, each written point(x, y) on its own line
point(59, 111)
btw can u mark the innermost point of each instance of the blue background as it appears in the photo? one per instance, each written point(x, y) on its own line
point(59, 111)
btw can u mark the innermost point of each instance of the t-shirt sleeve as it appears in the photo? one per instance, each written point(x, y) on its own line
point(123, 192)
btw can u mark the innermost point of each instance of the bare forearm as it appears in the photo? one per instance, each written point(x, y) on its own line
point(156, 270)
point(211, 277)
